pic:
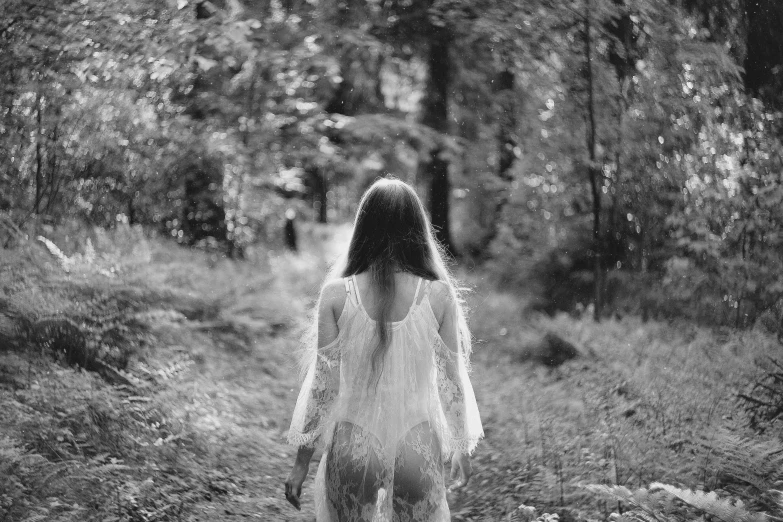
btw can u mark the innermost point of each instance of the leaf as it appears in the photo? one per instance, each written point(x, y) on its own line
point(205, 64)
point(710, 503)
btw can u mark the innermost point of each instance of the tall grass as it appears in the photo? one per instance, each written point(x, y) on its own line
point(646, 402)
point(73, 447)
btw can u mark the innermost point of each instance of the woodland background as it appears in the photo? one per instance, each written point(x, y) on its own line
point(607, 175)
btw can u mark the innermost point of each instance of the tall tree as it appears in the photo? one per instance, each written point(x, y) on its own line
point(594, 171)
point(420, 31)
point(508, 148)
point(764, 56)
point(435, 114)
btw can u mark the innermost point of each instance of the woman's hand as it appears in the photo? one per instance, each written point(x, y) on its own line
point(461, 469)
point(293, 484)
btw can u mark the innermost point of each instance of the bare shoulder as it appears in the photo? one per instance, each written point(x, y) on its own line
point(440, 298)
point(333, 296)
point(333, 290)
point(440, 290)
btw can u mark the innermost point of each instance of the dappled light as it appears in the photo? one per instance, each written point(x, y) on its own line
point(605, 179)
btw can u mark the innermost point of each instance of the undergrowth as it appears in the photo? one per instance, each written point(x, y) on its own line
point(75, 449)
point(187, 398)
point(98, 343)
point(649, 409)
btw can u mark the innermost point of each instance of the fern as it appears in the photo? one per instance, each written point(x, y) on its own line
point(711, 504)
point(648, 506)
point(764, 399)
point(635, 515)
point(654, 504)
point(748, 468)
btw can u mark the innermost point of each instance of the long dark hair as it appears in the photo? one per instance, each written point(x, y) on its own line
point(393, 234)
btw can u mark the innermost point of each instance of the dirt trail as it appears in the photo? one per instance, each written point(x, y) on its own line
point(240, 401)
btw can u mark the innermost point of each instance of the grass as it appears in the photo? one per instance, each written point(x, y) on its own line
point(206, 396)
point(199, 432)
point(648, 402)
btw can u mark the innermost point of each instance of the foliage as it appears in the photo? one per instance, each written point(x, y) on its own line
point(207, 400)
point(764, 398)
point(647, 505)
point(645, 402)
point(78, 445)
point(75, 451)
point(687, 158)
point(91, 321)
point(207, 120)
point(749, 468)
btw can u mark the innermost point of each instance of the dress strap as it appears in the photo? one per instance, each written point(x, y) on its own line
point(416, 294)
point(415, 302)
point(351, 290)
point(427, 288)
point(354, 292)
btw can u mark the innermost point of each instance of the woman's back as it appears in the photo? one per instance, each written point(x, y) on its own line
point(386, 391)
point(405, 291)
point(388, 401)
point(391, 425)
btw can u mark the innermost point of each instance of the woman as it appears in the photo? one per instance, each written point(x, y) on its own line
point(386, 391)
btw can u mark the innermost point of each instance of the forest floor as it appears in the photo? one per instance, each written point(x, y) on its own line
point(203, 438)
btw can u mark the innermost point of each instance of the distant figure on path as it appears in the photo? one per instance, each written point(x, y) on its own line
point(386, 391)
point(290, 230)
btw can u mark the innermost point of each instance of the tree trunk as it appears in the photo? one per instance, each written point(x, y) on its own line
point(342, 101)
point(323, 216)
point(764, 58)
point(320, 189)
point(508, 124)
point(507, 144)
point(379, 96)
point(593, 172)
point(54, 179)
point(436, 115)
point(38, 159)
point(351, 96)
point(439, 191)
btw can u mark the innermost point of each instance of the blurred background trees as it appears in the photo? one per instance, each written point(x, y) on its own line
point(623, 154)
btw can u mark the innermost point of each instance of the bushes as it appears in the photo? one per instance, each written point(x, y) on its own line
point(66, 434)
point(562, 279)
point(659, 504)
point(763, 400)
point(74, 305)
point(654, 402)
point(71, 449)
point(89, 331)
point(74, 448)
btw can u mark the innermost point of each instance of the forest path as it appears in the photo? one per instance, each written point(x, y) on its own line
point(239, 395)
point(240, 401)
point(198, 432)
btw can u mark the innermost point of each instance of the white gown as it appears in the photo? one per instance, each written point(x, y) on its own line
point(384, 447)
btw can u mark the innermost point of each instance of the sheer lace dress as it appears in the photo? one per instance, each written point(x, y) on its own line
point(384, 446)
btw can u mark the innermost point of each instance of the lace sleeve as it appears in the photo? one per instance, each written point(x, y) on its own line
point(457, 399)
point(316, 396)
